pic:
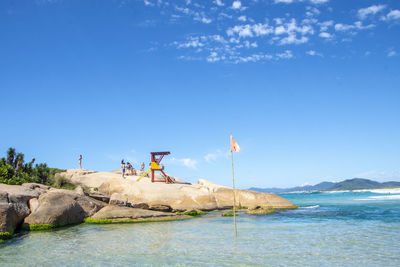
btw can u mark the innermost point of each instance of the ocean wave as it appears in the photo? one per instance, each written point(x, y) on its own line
point(310, 207)
point(388, 197)
point(377, 191)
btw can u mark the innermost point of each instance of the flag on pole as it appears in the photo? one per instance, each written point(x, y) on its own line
point(234, 146)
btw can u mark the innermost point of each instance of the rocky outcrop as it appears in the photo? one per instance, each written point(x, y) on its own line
point(177, 196)
point(61, 207)
point(87, 178)
point(118, 199)
point(14, 207)
point(202, 196)
point(247, 198)
point(119, 214)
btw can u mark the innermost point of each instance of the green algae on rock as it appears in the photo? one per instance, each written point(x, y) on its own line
point(136, 220)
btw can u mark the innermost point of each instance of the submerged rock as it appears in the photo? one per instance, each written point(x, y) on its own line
point(258, 210)
point(113, 213)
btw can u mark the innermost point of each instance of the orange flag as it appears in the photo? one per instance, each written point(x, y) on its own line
point(234, 145)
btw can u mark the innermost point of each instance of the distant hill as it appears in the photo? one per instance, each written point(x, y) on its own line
point(350, 184)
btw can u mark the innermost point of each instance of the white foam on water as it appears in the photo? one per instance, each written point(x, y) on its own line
point(310, 207)
point(377, 191)
point(381, 191)
point(388, 197)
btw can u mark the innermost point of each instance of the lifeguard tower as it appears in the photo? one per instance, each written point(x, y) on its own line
point(156, 158)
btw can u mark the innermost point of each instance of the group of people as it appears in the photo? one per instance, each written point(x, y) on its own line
point(128, 169)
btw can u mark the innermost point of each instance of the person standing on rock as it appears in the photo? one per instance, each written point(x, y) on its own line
point(142, 167)
point(123, 168)
point(80, 161)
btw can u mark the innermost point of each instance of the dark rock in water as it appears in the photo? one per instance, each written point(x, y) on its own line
point(164, 208)
point(259, 210)
point(11, 216)
point(61, 207)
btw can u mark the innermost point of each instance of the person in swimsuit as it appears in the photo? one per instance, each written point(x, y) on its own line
point(142, 167)
point(123, 168)
point(80, 161)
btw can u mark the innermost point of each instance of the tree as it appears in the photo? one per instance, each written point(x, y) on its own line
point(10, 156)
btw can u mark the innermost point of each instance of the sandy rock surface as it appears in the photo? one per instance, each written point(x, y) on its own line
point(204, 195)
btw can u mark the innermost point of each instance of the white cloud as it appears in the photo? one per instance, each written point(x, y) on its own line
point(371, 10)
point(313, 53)
point(391, 53)
point(187, 162)
point(148, 3)
point(292, 39)
point(219, 2)
point(283, 1)
point(287, 54)
point(392, 15)
point(319, 1)
point(236, 4)
point(356, 26)
point(242, 18)
point(214, 156)
point(206, 20)
point(325, 25)
point(343, 27)
point(325, 35)
point(292, 1)
point(192, 42)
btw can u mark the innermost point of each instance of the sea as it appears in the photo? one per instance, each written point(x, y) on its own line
point(347, 228)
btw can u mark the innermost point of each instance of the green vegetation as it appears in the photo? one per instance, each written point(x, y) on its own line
point(40, 227)
point(104, 221)
point(192, 213)
point(227, 214)
point(6, 235)
point(14, 171)
point(137, 220)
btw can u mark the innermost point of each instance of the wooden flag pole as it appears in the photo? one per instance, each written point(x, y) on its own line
point(234, 196)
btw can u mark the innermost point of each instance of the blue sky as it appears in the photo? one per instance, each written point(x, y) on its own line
point(309, 88)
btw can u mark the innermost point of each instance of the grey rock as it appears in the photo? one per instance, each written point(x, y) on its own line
point(62, 208)
point(164, 208)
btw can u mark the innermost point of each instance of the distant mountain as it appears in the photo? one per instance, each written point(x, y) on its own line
point(350, 184)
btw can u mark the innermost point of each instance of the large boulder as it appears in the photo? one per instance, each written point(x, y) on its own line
point(61, 207)
point(247, 198)
point(118, 213)
point(202, 196)
point(17, 193)
point(11, 216)
point(14, 207)
point(177, 196)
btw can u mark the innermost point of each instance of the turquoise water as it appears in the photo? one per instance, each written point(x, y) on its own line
point(329, 229)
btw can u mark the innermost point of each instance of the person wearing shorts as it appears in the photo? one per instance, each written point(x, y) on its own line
point(123, 168)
